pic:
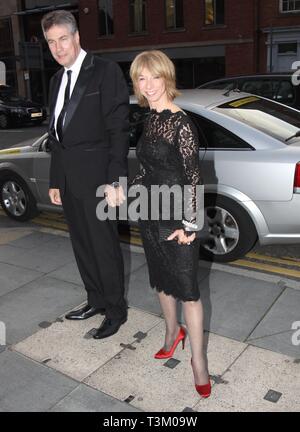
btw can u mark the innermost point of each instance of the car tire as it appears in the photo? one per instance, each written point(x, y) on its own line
point(228, 232)
point(4, 122)
point(16, 198)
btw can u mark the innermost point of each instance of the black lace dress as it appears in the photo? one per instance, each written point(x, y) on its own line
point(168, 152)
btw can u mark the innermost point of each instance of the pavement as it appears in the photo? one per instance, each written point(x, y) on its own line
point(49, 364)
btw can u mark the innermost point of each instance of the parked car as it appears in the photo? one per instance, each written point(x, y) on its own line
point(15, 110)
point(250, 162)
point(278, 87)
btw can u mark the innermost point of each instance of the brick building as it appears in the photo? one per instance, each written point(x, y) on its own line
point(206, 39)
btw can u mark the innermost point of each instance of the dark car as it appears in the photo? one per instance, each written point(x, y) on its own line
point(15, 110)
point(278, 87)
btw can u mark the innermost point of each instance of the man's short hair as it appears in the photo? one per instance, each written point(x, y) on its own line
point(59, 17)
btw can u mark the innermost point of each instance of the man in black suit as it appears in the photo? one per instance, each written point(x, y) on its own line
point(88, 136)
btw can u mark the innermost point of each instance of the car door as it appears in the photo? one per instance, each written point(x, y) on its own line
point(41, 168)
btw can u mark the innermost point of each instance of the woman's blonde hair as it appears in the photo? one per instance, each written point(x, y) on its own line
point(158, 64)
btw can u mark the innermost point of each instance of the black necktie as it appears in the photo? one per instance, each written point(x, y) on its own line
point(61, 117)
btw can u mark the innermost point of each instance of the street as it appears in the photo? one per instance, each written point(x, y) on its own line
point(251, 328)
point(251, 322)
point(13, 136)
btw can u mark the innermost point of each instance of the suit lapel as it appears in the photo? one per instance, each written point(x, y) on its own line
point(54, 95)
point(82, 82)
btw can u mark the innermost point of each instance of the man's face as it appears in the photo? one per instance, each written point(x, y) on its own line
point(63, 44)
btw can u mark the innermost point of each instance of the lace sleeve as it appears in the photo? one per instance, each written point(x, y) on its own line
point(188, 146)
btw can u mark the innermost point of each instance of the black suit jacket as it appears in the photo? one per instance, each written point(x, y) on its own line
point(95, 135)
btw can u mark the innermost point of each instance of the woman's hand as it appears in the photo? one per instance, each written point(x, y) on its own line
point(182, 237)
point(114, 196)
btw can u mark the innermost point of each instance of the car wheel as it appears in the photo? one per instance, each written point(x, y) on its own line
point(228, 232)
point(16, 198)
point(4, 121)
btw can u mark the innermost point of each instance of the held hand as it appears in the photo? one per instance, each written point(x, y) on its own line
point(114, 196)
point(182, 237)
point(54, 195)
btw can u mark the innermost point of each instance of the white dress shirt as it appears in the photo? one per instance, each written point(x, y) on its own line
point(75, 68)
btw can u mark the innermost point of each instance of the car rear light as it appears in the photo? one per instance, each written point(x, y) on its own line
point(297, 179)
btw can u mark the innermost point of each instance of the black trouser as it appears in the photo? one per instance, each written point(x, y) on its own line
point(98, 254)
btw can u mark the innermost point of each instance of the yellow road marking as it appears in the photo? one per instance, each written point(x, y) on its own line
point(266, 267)
point(291, 258)
point(273, 259)
point(52, 224)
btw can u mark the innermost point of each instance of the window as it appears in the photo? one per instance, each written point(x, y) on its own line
point(277, 121)
point(290, 5)
point(174, 14)
point(137, 16)
point(214, 12)
point(6, 40)
point(263, 87)
point(214, 136)
point(288, 48)
point(106, 19)
point(286, 93)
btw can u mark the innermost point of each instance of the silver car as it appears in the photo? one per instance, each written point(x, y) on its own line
point(250, 161)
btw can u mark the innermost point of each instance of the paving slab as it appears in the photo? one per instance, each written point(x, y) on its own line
point(12, 277)
point(42, 300)
point(64, 346)
point(68, 272)
point(153, 386)
point(132, 261)
point(234, 304)
point(86, 399)
point(8, 235)
point(32, 240)
point(27, 386)
point(275, 332)
point(248, 381)
point(45, 257)
point(139, 292)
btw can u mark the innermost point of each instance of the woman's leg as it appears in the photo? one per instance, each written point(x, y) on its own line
point(193, 315)
point(168, 305)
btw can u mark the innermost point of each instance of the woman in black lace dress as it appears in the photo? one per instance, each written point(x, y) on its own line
point(168, 154)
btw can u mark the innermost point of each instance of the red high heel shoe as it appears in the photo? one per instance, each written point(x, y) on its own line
point(163, 354)
point(203, 390)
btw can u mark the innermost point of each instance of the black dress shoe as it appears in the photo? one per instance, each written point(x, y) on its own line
point(84, 313)
point(109, 327)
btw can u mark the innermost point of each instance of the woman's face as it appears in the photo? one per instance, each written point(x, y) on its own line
point(151, 86)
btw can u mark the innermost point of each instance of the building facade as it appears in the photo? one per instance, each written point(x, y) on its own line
point(206, 39)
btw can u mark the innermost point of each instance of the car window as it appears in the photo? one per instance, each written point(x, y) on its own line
point(274, 119)
point(136, 118)
point(226, 85)
point(215, 136)
point(285, 93)
point(263, 87)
